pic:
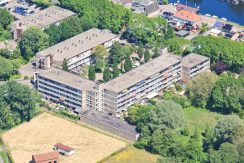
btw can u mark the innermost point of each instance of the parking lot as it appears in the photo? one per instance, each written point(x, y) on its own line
point(20, 8)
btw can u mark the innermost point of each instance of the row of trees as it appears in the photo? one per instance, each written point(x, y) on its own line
point(223, 94)
point(163, 130)
point(18, 103)
point(221, 49)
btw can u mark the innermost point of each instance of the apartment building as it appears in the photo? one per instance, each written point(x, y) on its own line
point(193, 64)
point(144, 81)
point(66, 89)
point(77, 50)
point(42, 20)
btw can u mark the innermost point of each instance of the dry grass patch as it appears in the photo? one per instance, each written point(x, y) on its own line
point(41, 133)
point(132, 155)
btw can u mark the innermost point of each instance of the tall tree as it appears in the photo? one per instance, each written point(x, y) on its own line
point(155, 53)
point(140, 50)
point(199, 88)
point(106, 74)
point(147, 55)
point(127, 64)
point(100, 52)
point(100, 64)
point(227, 97)
point(6, 69)
point(91, 73)
point(33, 40)
point(6, 18)
point(116, 71)
point(21, 100)
point(228, 129)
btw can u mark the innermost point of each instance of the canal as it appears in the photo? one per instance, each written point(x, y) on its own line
point(234, 13)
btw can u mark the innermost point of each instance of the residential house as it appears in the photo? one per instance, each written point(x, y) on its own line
point(186, 17)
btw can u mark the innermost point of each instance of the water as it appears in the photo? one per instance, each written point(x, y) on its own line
point(219, 8)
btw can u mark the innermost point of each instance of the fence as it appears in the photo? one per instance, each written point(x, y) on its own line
point(109, 128)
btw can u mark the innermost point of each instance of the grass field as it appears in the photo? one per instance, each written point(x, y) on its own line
point(199, 118)
point(132, 155)
point(41, 133)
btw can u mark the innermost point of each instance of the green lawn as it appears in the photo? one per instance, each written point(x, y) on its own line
point(4, 157)
point(132, 155)
point(199, 118)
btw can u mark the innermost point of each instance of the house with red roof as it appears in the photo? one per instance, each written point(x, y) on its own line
point(63, 149)
point(50, 157)
point(186, 17)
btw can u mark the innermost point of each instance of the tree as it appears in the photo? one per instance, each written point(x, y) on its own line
point(139, 115)
point(220, 67)
point(65, 65)
point(116, 71)
point(147, 55)
point(170, 33)
point(228, 153)
point(6, 18)
point(140, 50)
point(106, 74)
point(7, 117)
point(100, 64)
point(66, 29)
point(127, 64)
point(19, 103)
point(91, 73)
point(204, 27)
point(177, 45)
point(33, 40)
point(156, 53)
point(100, 51)
point(161, 141)
point(208, 139)
point(218, 48)
point(226, 94)
point(6, 69)
point(228, 129)
point(199, 88)
point(167, 115)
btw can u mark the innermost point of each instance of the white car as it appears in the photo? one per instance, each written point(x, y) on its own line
point(33, 6)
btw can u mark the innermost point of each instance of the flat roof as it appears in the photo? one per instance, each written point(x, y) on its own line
point(110, 120)
point(187, 15)
point(142, 72)
point(45, 156)
point(78, 44)
point(193, 59)
point(67, 78)
point(45, 17)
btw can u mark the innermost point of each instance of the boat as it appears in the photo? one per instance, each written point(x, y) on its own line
point(207, 15)
point(224, 19)
point(214, 16)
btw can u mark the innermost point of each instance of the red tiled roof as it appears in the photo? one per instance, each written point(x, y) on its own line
point(63, 147)
point(186, 15)
point(45, 156)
